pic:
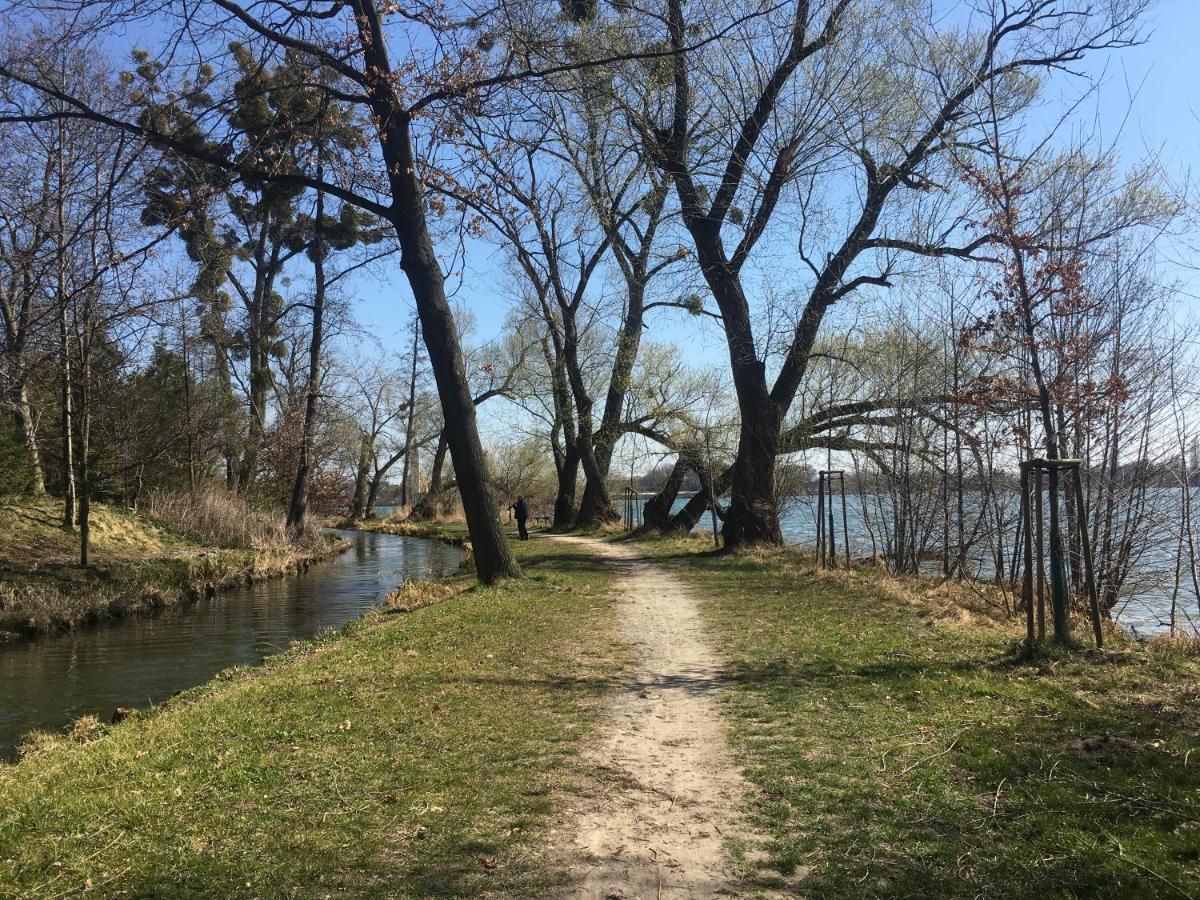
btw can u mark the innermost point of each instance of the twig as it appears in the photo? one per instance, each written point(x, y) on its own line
point(1147, 869)
point(953, 744)
point(996, 799)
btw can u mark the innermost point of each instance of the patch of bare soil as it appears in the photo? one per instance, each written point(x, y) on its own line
point(665, 807)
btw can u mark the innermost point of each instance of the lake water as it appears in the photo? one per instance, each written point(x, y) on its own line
point(1144, 607)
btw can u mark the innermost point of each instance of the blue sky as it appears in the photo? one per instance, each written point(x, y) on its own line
point(1148, 103)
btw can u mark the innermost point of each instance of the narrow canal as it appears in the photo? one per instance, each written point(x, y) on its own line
point(47, 683)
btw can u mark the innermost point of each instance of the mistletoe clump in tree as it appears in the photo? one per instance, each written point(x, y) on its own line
point(244, 232)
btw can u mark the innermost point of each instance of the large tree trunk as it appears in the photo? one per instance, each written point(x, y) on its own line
point(584, 430)
point(493, 558)
point(260, 382)
point(373, 494)
point(358, 505)
point(567, 461)
point(568, 477)
point(753, 516)
point(266, 267)
point(689, 517)
point(428, 506)
point(597, 507)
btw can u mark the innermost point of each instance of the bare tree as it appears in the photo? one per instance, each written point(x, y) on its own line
point(448, 77)
point(811, 109)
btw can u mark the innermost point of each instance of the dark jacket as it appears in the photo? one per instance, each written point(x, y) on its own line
point(521, 508)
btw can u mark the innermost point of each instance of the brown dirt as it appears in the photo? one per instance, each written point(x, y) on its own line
point(665, 810)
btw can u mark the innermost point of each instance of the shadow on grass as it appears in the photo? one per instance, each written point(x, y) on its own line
point(575, 562)
point(776, 674)
point(1006, 787)
point(663, 549)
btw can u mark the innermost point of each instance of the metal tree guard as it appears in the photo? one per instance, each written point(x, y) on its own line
point(1033, 527)
point(826, 534)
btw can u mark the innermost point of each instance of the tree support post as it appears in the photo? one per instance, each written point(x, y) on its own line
point(1085, 544)
point(845, 522)
point(1033, 528)
point(821, 519)
point(1027, 576)
point(826, 529)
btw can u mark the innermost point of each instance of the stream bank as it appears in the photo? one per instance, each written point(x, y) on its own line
point(138, 566)
point(415, 754)
point(140, 660)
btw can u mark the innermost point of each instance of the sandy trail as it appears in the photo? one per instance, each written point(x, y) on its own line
point(667, 795)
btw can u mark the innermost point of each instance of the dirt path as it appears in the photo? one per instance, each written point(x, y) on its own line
point(667, 794)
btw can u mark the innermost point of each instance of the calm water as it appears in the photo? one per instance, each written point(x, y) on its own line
point(141, 660)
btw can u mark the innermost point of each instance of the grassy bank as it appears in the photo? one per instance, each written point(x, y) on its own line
point(137, 564)
point(449, 531)
point(413, 756)
point(903, 748)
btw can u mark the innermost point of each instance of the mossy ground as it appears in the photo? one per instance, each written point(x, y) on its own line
point(417, 755)
point(902, 746)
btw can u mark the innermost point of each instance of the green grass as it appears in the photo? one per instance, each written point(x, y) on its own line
point(902, 748)
point(416, 755)
point(136, 565)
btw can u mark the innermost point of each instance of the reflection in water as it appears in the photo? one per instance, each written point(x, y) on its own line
point(141, 660)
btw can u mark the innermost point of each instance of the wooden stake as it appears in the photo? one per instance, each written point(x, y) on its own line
point(1085, 543)
point(1041, 553)
point(821, 519)
point(845, 525)
point(1027, 579)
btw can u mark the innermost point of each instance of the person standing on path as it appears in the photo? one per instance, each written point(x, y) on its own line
point(521, 511)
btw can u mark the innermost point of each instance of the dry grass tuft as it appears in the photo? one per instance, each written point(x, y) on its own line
point(86, 728)
point(44, 606)
point(37, 742)
point(1175, 646)
point(217, 518)
point(413, 595)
